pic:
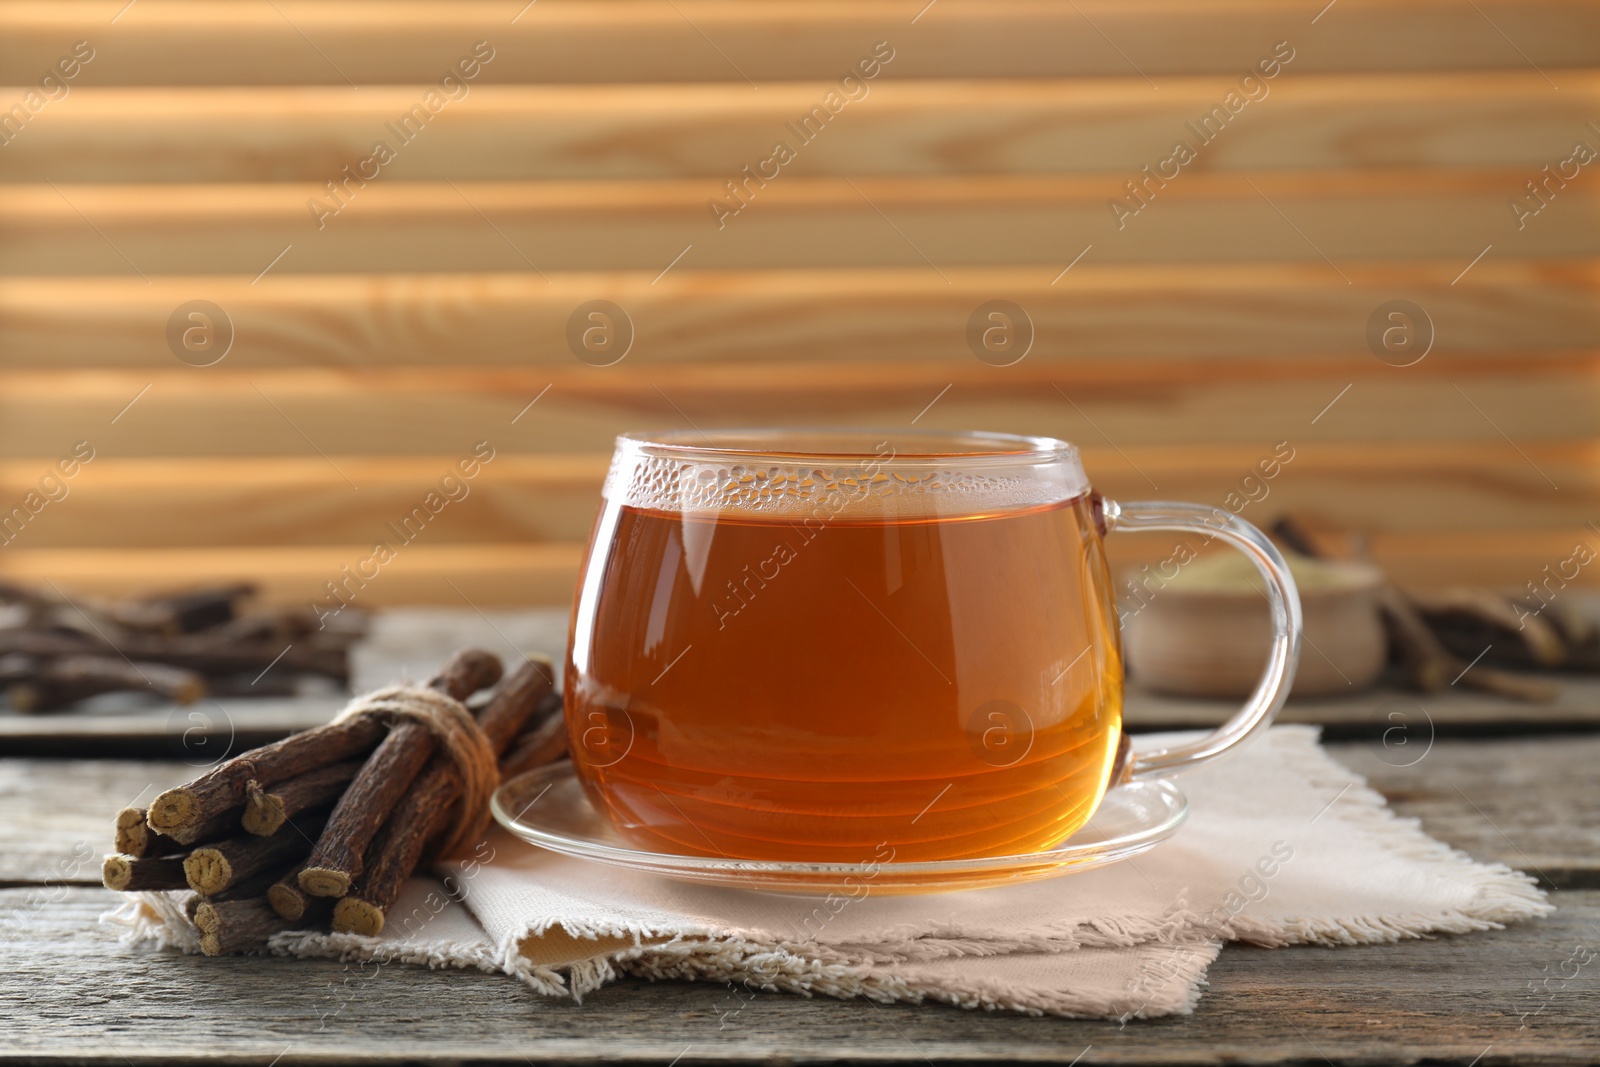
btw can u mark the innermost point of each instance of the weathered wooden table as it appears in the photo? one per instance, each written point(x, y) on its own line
point(1501, 782)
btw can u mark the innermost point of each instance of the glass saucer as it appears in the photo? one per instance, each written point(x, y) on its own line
point(547, 807)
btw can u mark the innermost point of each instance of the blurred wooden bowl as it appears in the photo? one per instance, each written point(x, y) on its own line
point(1205, 633)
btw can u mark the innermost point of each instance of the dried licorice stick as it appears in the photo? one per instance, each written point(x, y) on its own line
point(180, 813)
point(391, 769)
point(265, 811)
point(427, 810)
point(136, 874)
point(229, 926)
point(212, 868)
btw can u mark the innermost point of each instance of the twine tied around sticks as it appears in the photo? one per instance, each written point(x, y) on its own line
point(462, 739)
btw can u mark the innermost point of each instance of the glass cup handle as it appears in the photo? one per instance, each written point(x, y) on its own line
point(1273, 689)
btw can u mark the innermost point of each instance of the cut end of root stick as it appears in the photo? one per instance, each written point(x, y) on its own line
point(208, 871)
point(287, 901)
point(324, 882)
point(132, 835)
point(205, 919)
point(353, 915)
point(172, 812)
point(116, 873)
point(263, 812)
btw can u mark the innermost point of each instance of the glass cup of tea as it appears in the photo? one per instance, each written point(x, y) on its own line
point(803, 645)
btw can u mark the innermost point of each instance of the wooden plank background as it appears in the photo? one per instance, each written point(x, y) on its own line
point(222, 42)
point(371, 346)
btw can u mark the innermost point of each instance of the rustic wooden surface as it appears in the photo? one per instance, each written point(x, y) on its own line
point(74, 994)
point(1532, 803)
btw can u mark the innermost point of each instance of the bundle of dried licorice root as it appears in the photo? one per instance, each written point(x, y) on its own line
point(57, 649)
point(325, 826)
point(1437, 635)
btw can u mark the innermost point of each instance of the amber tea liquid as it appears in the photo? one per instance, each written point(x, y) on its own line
point(810, 688)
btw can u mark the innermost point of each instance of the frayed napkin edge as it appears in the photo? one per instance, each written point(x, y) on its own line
point(767, 968)
point(1502, 894)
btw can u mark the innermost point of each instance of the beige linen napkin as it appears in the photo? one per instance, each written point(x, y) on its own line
point(1283, 846)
